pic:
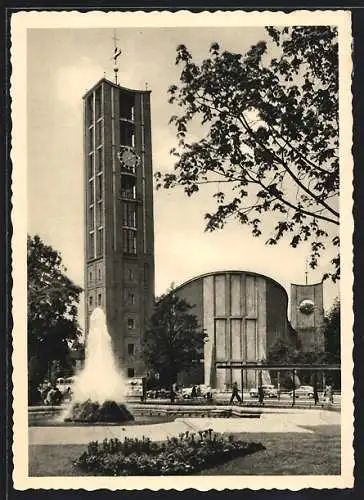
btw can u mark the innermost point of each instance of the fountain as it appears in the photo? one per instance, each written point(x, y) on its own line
point(99, 390)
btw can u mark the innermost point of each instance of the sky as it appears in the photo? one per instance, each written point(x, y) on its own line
point(62, 64)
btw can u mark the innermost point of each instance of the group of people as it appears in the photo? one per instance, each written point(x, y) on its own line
point(52, 396)
point(196, 392)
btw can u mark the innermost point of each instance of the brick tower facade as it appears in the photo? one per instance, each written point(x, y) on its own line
point(119, 232)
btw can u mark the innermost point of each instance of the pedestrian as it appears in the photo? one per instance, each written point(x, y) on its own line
point(235, 393)
point(193, 392)
point(315, 394)
point(261, 395)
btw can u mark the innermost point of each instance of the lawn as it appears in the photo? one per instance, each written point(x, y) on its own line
point(286, 454)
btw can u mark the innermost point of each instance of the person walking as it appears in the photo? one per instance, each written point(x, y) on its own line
point(235, 393)
point(193, 392)
point(315, 394)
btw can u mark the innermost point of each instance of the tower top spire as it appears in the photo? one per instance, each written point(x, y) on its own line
point(117, 54)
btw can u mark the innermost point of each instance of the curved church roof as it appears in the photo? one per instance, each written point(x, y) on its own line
point(231, 271)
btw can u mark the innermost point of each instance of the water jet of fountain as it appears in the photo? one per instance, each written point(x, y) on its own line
point(100, 384)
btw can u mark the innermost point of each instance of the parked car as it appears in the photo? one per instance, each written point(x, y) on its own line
point(269, 391)
point(304, 391)
point(186, 392)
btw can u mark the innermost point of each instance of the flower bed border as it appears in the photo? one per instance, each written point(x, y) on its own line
point(189, 453)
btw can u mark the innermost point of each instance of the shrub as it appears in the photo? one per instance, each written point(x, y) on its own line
point(91, 411)
point(185, 454)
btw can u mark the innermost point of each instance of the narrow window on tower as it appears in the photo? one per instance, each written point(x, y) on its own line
point(131, 323)
point(91, 192)
point(91, 224)
point(126, 106)
point(99, 160)
point(129, 214)
point(99, 242)
point(90, 300)
point(89, 110)
point(128, 192)
point(99, 213)
point(99, 133)
point(99, 186)
point(131, 372)
point(131, 349)
point(99, 299)
point(91, 245)
point(98, 103)
point(90, 166)
point(91, 139)
point(131, 274)
point(126, 134)
point(129, 241)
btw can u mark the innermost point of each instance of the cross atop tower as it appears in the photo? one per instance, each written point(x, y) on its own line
point(117, 53)
point(306, 272)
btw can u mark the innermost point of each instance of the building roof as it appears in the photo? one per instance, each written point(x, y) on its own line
point(306, 285)
point(231, 271)
point(115, 85)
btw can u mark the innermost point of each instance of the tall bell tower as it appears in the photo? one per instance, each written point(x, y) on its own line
point(119, 232)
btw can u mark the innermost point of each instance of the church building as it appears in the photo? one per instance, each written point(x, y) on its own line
point(242, 312)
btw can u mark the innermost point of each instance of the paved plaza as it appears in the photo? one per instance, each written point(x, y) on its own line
point(288, 421)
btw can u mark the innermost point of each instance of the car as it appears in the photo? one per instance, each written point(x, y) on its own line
point(269, 391)
point(303, 391)
point(186, 392)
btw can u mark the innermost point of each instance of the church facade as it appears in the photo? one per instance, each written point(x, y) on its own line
point(243, 314)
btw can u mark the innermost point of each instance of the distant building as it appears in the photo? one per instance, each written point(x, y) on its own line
point(307, 316)
point(119, 228)
point(243, 314)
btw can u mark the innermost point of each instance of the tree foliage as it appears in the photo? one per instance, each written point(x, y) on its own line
point(174, 339)
point(332, 331)
point(52, 308)
point(269, 135)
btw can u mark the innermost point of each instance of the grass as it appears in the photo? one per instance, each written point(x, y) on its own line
point(286, 454)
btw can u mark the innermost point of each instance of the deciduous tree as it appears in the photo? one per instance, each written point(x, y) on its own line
point(52, 308)
point(174, 339)
point(269, 136)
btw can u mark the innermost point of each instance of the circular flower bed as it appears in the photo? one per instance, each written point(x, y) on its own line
point(190, 452)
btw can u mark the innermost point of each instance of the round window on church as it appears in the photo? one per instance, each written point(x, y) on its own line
point(306, 307)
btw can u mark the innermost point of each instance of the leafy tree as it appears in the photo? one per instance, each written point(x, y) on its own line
point(332, 331)
point(174, 339)
point(269, 136)
point(52, 309)
point(284, 353)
